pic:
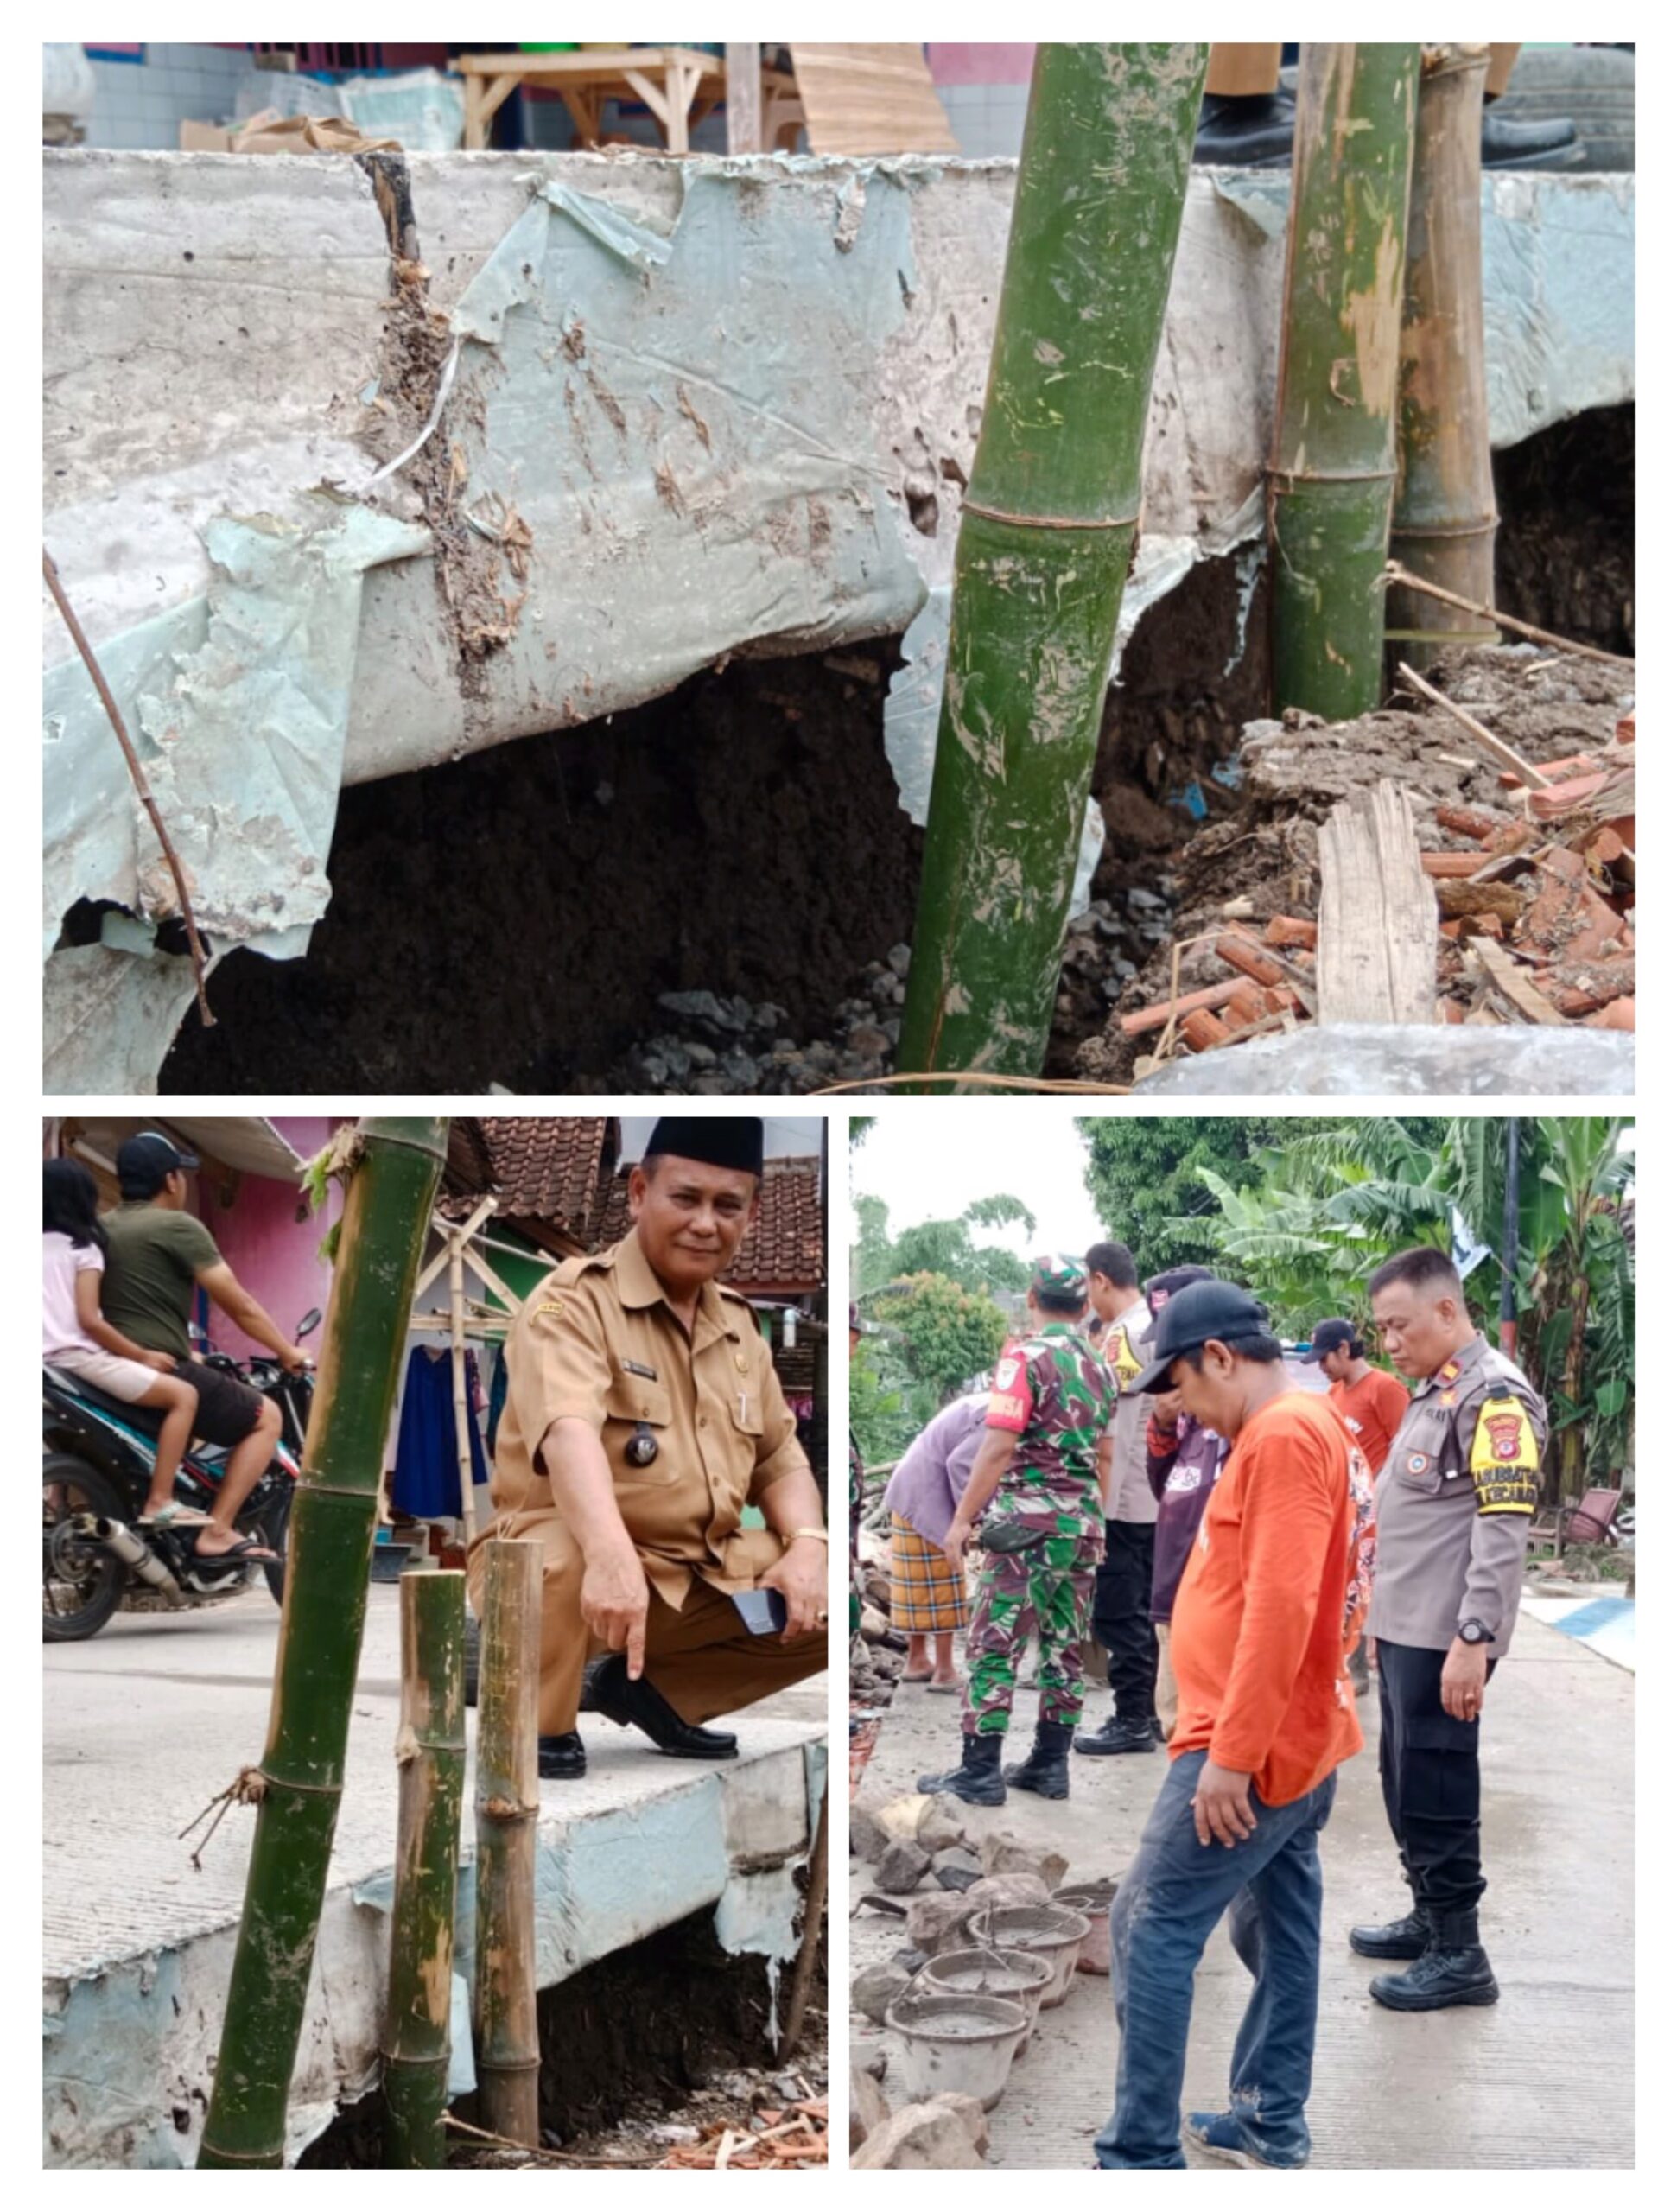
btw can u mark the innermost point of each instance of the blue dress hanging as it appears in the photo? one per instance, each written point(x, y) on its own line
point(426, 1484)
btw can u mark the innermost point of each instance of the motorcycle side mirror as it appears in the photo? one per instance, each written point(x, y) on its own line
point(309, 1323)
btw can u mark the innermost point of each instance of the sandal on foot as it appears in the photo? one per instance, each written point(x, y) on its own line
point(174, 1515)
point(247, 1552)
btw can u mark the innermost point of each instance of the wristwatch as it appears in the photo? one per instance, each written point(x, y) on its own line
point(1476, 1632)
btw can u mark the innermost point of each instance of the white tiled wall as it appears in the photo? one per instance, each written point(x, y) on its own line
point(144, 103)
point(986, 119)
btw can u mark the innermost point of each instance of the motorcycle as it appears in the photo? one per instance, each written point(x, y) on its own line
point(96, 1470)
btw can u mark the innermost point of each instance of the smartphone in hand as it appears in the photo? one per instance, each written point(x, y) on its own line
point(763, 1611)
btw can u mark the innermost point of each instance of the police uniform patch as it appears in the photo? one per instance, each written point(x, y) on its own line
point(1504, 1458)
point(1419, 1462)
point(1120, 1355)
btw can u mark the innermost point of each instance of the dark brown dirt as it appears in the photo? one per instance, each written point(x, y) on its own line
point(512, 918)
point(1566, 553)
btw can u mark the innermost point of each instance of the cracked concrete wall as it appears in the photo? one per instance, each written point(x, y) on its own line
point(697, 407)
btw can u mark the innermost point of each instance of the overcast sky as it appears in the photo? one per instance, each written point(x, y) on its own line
point(932, 1158)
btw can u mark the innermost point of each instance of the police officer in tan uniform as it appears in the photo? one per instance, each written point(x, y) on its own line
point(643, 1415)
point(1454, 1503)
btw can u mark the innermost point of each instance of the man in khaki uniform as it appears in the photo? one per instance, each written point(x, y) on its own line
point(643, 1415)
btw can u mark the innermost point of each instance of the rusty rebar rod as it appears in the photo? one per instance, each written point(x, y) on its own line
point(49, 570)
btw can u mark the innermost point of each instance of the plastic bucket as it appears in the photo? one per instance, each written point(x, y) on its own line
point(1093, 1901)
point(1021, 1975)
point(956, 2040)
point(1051, 1930)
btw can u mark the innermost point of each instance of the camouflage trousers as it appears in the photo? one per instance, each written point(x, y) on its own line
point(1047, 1592)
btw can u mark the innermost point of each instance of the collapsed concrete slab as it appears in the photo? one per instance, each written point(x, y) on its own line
point(354, 467)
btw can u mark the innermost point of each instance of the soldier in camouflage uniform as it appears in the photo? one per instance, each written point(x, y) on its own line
point(1051, 1401)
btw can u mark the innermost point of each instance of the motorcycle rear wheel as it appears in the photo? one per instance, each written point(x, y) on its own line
point(76, 1568)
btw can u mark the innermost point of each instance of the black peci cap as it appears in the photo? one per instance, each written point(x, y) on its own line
point(718, 1139)
point(1329, 1336)
point(1193, 1318)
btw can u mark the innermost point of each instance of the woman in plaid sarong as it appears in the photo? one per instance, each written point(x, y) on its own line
point(928, 1596)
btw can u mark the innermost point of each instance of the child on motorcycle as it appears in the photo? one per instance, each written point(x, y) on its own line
point(76, 1336)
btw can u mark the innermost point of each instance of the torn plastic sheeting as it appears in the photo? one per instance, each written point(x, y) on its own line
point(108, 1019)
point(687, 429)
point(245, 701)
point(1351, 1059)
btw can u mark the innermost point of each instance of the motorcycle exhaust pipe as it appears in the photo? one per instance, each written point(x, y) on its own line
point(133, 1551)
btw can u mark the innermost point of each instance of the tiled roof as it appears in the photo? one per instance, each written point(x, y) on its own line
point(546, 1168)
point(559, 1173)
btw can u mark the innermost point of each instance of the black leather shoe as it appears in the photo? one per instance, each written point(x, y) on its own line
point(1506, 144)
point(606, 1689)
point(1118, 1735)
point(1443, 1977)
point(1395, 1939)
point(1247, 131)
point(561, 1758)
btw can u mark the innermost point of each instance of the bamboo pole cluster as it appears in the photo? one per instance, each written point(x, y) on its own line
point(508, 1802)
point(300, 1783)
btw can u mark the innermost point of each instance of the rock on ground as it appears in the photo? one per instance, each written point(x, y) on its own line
point(869, 2110)
point(929, 2137)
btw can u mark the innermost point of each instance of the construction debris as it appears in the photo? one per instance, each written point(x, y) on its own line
point(1526, 847)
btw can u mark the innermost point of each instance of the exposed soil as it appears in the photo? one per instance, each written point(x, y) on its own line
point(516, 917)
point(672, 2026)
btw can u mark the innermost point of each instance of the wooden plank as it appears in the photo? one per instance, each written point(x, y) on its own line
point(870, 99)
point(1377, 953)
point(1503, 971)
point(744, 99)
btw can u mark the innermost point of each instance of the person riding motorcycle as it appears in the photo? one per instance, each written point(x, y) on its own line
point(157, 1256)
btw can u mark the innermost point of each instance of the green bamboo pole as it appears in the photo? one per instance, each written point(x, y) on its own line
point(391, 1183)
point(1046, 535)
point(1444, 524)
point(1334, 462)
point(431, 1748)
point(508, 1802)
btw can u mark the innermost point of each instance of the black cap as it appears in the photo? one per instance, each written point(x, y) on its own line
point(1193, 1318)
point(1329, 1336)
point(719, 1140)
point(145, 1162)
point(1161, 1288)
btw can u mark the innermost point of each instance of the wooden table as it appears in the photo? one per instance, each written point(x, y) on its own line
point(680, 85)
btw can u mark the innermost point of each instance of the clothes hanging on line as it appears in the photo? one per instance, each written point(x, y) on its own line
point(497, 1392)
point(426, 1483)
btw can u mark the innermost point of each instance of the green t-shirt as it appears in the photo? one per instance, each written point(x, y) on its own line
point(150, 1268)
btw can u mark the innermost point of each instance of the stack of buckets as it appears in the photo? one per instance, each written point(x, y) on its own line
point(969, 2012)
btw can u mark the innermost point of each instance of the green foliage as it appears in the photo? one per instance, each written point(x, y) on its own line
point(887, 1409)
point(939, 1248)
point(860, 1125)
point(947, 1335)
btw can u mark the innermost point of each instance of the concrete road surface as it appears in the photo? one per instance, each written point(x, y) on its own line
point(1542, 2079)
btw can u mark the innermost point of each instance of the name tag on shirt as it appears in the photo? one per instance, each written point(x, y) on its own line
point(634, 1367)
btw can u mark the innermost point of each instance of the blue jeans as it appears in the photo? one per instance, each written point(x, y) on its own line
point(1173, 1896)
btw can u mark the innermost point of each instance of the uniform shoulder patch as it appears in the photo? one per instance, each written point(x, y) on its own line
point(1120, 1355)
point(1504, 1459)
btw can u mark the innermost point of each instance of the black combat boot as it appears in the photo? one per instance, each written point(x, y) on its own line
point(1119, 1734)
point(1453, 1970)
point(1043, 1772)
point(977, 1780)
point(1394, 1939)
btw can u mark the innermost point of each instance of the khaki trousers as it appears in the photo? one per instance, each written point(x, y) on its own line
point(702, 1660)
point(1237, 69)
point(1164, 1696)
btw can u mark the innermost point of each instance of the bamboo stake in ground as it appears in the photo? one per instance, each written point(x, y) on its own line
point(392, 1181)
point(1397, 574)
point(457, 1363)
point(431, 1748)
point(1046, 535)
point(1444, 524)
point(1335, 456)
point(504, 2000)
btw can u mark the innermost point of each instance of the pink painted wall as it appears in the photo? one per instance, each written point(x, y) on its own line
point(274, 1254)
point(980, 64)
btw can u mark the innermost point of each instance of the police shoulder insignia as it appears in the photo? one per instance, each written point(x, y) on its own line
point(547, 1306)
point(1504, 1458)
point(1450, 1372)
point(1120, 1355)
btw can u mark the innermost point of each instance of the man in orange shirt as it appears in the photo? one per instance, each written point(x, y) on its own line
point(1273, 1596)
point(1372, 1405)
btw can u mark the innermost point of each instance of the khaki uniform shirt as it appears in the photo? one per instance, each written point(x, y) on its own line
point(1128, 1493)
point(1455, 1501)
point(598, 1342)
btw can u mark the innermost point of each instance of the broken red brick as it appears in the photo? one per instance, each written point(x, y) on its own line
point(1624, 730)
point(1562, 799)
point(1452, 930)
point(1202, 1031)
point(1452, 1012)
point(1155, 1017)
point(1451, 864)
point(1290, 930)
point(1566, 918)
point(1621, 1014)
point(1246, 954)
